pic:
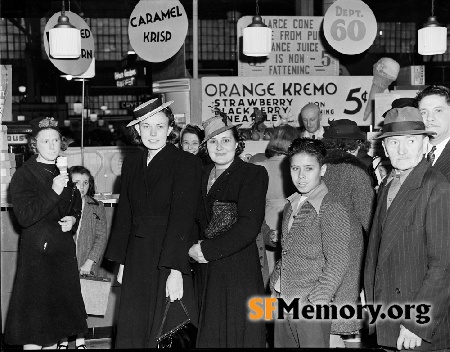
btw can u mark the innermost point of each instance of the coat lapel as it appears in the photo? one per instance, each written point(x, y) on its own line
point(212, 195)
point(284, 226)
point(157, 167)
point(36, 170)
point(400, 210)
point(443, 162)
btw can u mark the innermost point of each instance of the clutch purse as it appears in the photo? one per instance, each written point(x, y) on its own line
point(224, 215)
point(176, 329)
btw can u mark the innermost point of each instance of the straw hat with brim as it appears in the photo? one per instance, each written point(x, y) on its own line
point(216, 125)
point(403, 122)
point(343, 129)
point(401, 103)
point(148, 109)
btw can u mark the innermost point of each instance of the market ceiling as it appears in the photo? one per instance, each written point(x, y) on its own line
point(384, 10)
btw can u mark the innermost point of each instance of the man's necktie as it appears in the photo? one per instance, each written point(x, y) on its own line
point(431, 156)
point(393, 189)
point(313, 137)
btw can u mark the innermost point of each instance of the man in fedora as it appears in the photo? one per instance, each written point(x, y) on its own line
point(408, 255)
point(434, 106)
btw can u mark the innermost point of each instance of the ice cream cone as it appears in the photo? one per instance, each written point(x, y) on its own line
point(385, 71)
point(61, 164)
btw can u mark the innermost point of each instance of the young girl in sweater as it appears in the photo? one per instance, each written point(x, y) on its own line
point(91, 236)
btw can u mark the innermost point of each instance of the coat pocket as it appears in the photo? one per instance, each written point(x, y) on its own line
point(151, 226)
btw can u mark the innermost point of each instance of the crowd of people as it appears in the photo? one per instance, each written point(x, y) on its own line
point(313, 220)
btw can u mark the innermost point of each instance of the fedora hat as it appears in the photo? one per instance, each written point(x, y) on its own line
point(216, 125)
point(402, 122)
point(401, 103)
point(343, 129)
point(148, 109)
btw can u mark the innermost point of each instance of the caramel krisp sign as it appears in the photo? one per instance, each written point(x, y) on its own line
point(338, 97)
point(157, 29)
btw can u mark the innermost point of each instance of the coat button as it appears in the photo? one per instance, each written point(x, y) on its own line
point(284, 252)
point(397, 291)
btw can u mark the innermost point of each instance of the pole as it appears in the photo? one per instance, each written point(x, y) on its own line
point(82, 124)
point(195, 37)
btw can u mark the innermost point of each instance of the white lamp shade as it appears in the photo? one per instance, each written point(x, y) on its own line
point(257, 41)
point(432, 40)
point(77, 107)
point(65, 43)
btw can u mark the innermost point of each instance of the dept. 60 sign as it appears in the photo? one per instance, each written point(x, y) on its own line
point(350, 26)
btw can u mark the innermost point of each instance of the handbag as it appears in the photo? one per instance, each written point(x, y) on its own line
point(176, 330)
point(95, 291)
point(224, 215)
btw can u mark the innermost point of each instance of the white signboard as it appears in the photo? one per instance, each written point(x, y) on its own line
point(297, 49)
point(338, 97)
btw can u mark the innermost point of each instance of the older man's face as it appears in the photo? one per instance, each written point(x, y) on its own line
point(311, 119)
point(436, 115)
point(405, 152)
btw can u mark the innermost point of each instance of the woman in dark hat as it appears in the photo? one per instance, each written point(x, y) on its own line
point(150, 238)
point(46, 303)
point(348, 178)
point(229, 272)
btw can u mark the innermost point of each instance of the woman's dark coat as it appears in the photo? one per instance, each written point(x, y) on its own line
point(46, 303)
point(233, 273)
point(150, 236)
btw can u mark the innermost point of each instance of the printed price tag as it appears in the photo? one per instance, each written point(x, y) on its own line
point(350, 26)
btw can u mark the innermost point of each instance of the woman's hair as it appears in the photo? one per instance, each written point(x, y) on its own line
point(32, 142)
point(239, 138)
point(136, 138)
point(192, 130)
point(347, 145)
point(281, 139)
point(83, 171)
point(313, 147)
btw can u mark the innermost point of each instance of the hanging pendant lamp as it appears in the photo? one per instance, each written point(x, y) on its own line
point(257, 39)
point(432, 37)
point(64, 39)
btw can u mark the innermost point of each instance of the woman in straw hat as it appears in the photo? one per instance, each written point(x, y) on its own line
point(160, 188)
point(230, 271)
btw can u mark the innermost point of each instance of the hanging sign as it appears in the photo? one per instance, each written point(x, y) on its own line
point(338, 97)
point(350, 26)
point(297, 49)
point(78, 66)
point(157, 29)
